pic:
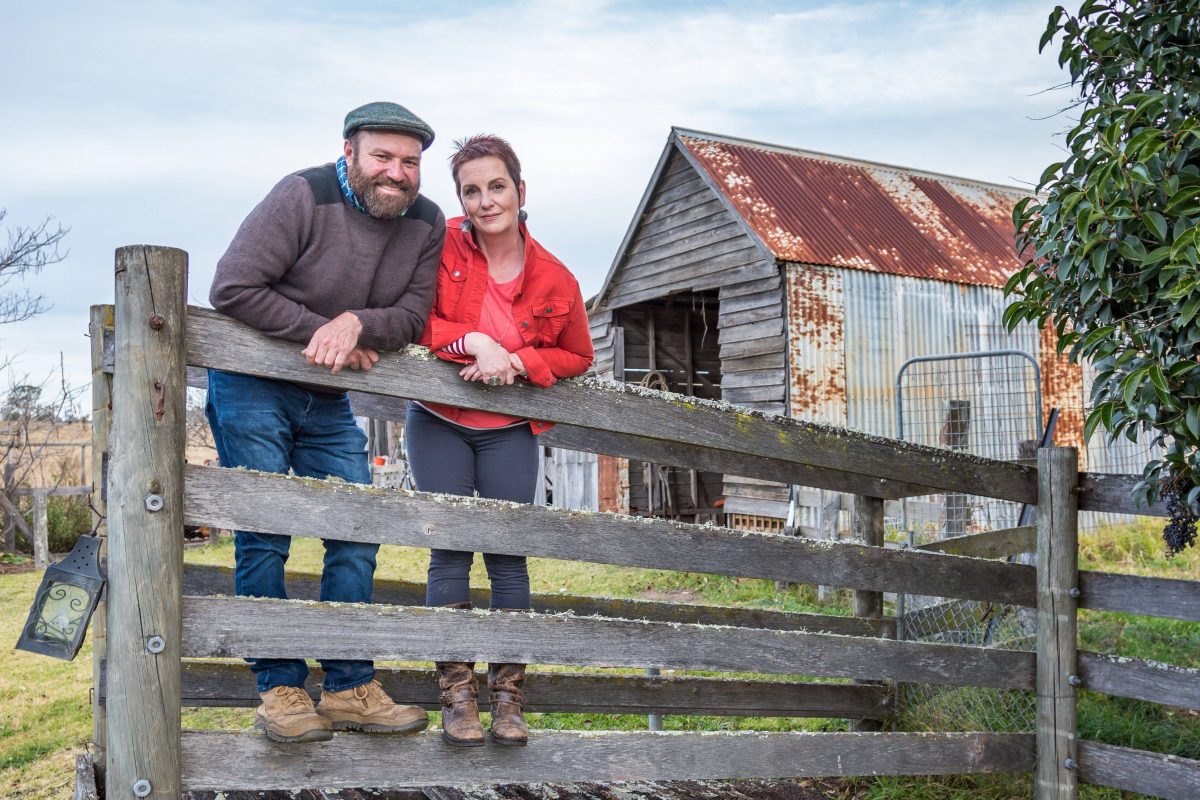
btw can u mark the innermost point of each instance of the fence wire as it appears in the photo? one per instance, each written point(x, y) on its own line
point(988, 404)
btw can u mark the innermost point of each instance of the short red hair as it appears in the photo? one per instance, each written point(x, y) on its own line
point(482, 145)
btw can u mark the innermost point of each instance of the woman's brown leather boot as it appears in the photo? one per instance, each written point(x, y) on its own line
point(508, 721)
point(460, 711)
point(460, 708)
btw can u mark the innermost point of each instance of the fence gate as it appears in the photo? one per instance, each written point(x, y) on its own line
point(988, 404)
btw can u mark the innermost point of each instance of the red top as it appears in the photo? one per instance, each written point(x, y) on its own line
point(547, 309)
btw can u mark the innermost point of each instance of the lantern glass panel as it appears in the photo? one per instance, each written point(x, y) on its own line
point(63, 609)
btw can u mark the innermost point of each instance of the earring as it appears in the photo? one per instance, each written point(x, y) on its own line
point(465, 226)
point(522, 216)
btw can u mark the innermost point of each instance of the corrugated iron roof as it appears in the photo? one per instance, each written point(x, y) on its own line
point(814, 208)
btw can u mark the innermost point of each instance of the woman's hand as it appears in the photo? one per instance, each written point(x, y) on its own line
point(492, 362)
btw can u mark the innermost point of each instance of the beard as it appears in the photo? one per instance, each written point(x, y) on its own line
point(378, 204)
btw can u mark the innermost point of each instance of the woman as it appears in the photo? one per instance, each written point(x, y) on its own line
point(507, 310)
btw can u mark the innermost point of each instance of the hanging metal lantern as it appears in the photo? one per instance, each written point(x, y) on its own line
point(64, 602)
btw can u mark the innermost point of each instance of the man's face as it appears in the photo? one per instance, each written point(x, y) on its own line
point(384, 171)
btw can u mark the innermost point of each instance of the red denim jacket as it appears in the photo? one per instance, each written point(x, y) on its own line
point(548, 309)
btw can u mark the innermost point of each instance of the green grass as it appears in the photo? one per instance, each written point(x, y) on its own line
point(45, 716)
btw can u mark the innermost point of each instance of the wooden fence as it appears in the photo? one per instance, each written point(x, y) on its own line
point(142, 681)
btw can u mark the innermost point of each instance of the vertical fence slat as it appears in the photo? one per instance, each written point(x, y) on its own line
point(101, 317)
point(868, 526)
point(145, 493)
point(41, 531)
point(1057, 575)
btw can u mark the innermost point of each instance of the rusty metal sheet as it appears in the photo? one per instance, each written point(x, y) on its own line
point(817, 209)
point(816, 344)
point(1062, 388)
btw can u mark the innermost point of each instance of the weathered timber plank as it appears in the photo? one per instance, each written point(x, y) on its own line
point(227, 627)
point(145, 549)
point(750, 315)
point(220, 342)
point(231, 685)
point(1151, 681)
point(424, 759)
point(85, 778)
point(748, 394)
point(753, 347)
point(1137, 594)
point(718, 238)
point(730, 306)
point(203, 580)
point(254, 501)
point(698, 202)
point(745, 265)
point(1057, 623)
point(1113, 493)
point(1153, 774)
point(989, 544)
point(690, 265)
point(774, 281)
point(100, 323)
point(772, 360)
point(677, 230)
point(52, 491)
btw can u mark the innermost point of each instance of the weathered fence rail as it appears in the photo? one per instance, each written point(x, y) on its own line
point(142, 689)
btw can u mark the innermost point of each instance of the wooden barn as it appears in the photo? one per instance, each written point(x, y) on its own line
point(799, 283)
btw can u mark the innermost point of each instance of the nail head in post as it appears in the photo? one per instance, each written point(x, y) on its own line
point(155, 644)
point(1073, 592)
point(142, 788)
point(154, 502)
point(1069, 763)
point(157, 321)
point(1074, 680)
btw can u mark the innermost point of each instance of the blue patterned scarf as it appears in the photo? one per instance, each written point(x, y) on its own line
point(344, 182)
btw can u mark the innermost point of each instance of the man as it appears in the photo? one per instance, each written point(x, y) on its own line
point(342, 258)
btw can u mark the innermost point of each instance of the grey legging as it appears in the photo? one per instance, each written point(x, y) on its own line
point(498, 463)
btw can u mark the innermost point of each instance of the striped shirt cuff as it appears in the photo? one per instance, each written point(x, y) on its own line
point(458, 347)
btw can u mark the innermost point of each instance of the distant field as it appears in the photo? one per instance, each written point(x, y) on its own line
point(45, 715)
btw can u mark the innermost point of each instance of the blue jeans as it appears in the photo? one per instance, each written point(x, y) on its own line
point(274, 426)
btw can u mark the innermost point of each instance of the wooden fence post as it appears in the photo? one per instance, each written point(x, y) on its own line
point(145, 522)
point(868, 526)
point(10, 522)
point(101, 317)
point(41, 530)
point(1057, 590)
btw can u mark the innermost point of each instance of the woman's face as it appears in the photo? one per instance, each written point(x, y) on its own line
point(489, 198)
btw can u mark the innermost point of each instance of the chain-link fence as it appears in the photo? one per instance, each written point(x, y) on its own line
point(988, 404)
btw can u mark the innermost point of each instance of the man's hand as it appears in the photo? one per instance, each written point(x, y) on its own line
point(334, 342)
point(362, 358)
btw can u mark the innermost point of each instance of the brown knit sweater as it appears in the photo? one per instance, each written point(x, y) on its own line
point(304, 255)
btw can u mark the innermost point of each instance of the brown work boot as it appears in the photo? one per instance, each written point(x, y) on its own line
point(508, 723)
point(368, 708)
point(287, 715)
point(460, 708)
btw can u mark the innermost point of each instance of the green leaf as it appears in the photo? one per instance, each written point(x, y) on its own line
point(1157, 223)
point(1160, 382)
point(1139, 173)
point(1093, 420)
point(1132, 248)
point(1192, 420)
point(1096, 336)
point(1188, 312)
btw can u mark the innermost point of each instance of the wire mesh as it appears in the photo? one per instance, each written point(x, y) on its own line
point(988, 404)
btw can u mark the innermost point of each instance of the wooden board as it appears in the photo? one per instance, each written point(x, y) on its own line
point(1152, 774)
point(145, 544)
point(1057, 622)
point(226, 627)
point(1151, 681)
point(203, 580)
point(989, 544)
point(1136, 594)
point(351, 760)
point(255, 501)
point(1101, 492)
point(231, 685)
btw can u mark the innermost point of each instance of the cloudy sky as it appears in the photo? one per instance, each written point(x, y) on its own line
point(166, 122)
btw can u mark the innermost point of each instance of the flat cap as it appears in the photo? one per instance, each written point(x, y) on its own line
point(387, 117)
